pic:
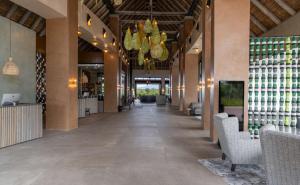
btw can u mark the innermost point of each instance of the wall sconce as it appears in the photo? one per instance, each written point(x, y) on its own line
point(105, 50)
point(89, 20)
point(72, 82)
point(178, 87)
point(210, 82)
point(79, 33)
point(104, 33)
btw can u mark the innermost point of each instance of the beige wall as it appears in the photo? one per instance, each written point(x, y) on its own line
point(231, 47)
point(191, 79)
point(286, 28)
point(23, 51)
point(62, 60)
point(175, 84)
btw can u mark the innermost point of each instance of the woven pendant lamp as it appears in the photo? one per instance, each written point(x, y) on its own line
point(10, 68)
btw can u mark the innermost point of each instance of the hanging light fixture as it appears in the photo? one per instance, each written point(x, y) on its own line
point(148, 41)
point(10, 68)
point(118, 2)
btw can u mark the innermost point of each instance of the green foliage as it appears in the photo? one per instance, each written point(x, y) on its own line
point(147, 92)
point(232, 102)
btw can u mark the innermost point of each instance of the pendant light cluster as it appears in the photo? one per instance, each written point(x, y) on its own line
point(10, 68)
point(148, 41)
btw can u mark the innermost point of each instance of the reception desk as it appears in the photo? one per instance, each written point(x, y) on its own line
point(20, 123)
point(89, 105)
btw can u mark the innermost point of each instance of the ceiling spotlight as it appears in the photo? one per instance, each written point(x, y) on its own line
point(95, 43)
point(89, 20)
point(208, 3)
point(114, 42)
point(104, 33)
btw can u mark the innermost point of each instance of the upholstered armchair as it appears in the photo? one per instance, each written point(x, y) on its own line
point(238, 147)
point(281, 154)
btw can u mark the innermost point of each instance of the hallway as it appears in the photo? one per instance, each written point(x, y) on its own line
point(146, 146)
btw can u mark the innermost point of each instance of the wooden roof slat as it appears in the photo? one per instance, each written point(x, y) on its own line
point(258, 24)
point(286, 7)
point(11, 11)
point(25, 17)
point(266, 11)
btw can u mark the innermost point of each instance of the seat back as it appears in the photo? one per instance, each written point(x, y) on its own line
point(281, 153)
point(229, 129)
point(217, 123)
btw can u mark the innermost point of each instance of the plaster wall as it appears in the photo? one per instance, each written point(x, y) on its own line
point(23, 53)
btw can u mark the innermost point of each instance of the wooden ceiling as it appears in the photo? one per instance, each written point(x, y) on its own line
point(265, 14)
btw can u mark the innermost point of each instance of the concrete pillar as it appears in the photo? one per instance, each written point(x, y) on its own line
point(191, 79)
point(112, 71)
point(175, 83)
point(230, 49)
point(206, 66)
point(185, 32)
point(61, 76)
point(163, 86)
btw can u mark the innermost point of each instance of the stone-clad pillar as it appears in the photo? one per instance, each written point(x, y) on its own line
point(61, 76)
point(185, 32)
point(230, 49)
point(206, 65)
point(112, 68)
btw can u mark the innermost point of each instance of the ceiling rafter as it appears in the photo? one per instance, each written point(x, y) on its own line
point(258, 23)
point(286, 7)
point(266, 11)
point(25, 17)
point(11, 11)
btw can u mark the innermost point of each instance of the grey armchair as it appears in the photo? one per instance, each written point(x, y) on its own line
point(237, 146)
point(281, 154)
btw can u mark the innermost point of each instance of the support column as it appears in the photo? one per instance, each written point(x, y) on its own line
point(186, 30)
point(206, 66)
point(175, 76)
point(163, 86)
point(230, 49)
point(191, 79)
point(61, 76)
point(112, 71)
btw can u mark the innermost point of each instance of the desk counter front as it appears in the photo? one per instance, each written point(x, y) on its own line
point(20, 123)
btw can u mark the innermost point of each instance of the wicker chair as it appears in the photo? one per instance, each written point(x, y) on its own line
point(237, 146)
point(281, 154)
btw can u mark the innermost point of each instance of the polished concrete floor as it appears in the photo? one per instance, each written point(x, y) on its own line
point(145, 146)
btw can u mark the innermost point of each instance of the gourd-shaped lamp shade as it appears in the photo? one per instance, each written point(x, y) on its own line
point(10, 68)
point(117, 2)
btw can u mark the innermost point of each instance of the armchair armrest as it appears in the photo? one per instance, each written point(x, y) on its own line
point(244, 135)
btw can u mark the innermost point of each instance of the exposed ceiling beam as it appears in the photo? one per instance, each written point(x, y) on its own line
point(258, 24)
point(11, 11)
point(43, 32)
point(148, 13)
point(266, 11)
point(192, 8)
point(286, 7)
point(159, 22)
point(25, 17)
point(36, 23)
